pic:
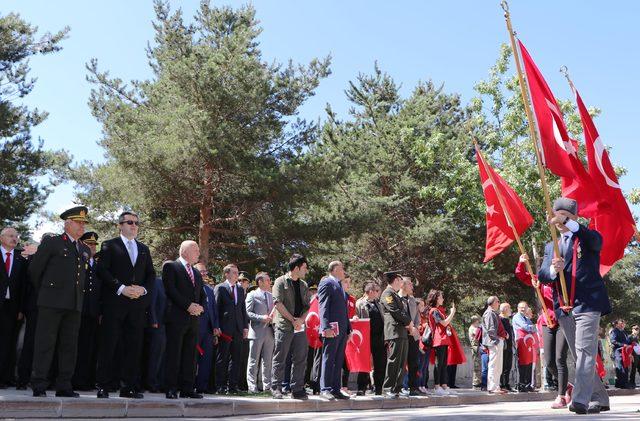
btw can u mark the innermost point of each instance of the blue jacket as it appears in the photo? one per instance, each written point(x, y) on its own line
point(591, 291)
point(332, 302)
point(158, 304)
point(618, 339)
point(209, 319)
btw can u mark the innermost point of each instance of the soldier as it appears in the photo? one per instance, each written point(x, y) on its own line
point(397, 325)
point(85, 374)
point(58, 271)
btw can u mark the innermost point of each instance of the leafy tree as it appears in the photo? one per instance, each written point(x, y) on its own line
point(23, 162)
point(210, 147)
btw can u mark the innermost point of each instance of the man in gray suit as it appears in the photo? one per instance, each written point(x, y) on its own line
point(261, 341)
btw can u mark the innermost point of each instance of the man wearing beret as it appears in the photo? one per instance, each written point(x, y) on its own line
point(579, 318)
point(85, 373)
point(58, 270)
point(126, 271)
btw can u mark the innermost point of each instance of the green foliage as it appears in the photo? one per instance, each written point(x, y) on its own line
point(21, 161)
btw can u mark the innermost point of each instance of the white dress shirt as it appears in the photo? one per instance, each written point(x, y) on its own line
point(573, 227)
point(4, 262)
point(132, 250)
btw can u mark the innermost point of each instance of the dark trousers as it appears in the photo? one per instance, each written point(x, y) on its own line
point(316, 369)
point(332, 362)
point(205, 362)
point(8, 335)
point(128, 325)
point(84, 377)
point(413, 352)
point(156, 345)
point(228, 362)
point(507, 364)
point(556, 350)
point(28, 343)
point(180, 364)
point(451, 375)
point(297, 344)
point(307, 372)
point(635, 368)
point(57, 329)
point(397, 351)
point(242, 377)
point(440, 367)
point(524, 375)
point(622, 373)
point(379, 357)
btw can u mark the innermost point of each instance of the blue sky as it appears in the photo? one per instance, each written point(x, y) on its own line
point(450, 42)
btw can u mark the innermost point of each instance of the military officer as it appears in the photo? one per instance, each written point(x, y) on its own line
point(85, 373)
point(397, 325)
point(58, 271)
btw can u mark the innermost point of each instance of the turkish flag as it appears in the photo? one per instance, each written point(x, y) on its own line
point(358, 351)
point(312, 322)
point(613, 220)
point(499, 232)
point(558, 151)
point(600, 369)
point(627, 355)
point(455, 355)
point(527, 345)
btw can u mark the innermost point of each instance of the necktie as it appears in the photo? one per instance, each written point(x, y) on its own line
point(190, 272)
point(7, 263)
point(235, 294)
point(266, 299)
point(131, 252)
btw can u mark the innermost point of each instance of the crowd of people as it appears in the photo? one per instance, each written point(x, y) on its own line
point(103, 319)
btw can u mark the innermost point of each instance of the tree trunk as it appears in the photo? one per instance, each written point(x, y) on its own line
point(206, 212)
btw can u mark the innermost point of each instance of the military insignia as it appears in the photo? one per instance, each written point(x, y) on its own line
point(579, 252)
point(64, 237)
point(83, 214)
point(389, 299)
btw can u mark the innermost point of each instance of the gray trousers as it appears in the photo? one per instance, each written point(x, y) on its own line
point(581, 332)
point(299, 346)
point(260, 349)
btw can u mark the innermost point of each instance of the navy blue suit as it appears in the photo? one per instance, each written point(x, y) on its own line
point(208, 321)
point(591, 292)
point(619, 339)
point(156, 336)
point(332, 302)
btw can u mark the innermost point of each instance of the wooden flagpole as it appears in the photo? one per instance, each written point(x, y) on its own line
point(517, 237)
point(534, 139)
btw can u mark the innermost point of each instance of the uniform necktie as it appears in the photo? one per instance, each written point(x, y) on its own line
point(131, 252)
point(190, 272)
point(7, 263)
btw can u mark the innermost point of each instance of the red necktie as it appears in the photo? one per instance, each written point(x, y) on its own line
point(190, 272)
point(7, 263)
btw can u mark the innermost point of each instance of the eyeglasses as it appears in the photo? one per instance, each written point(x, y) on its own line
point(137, 223)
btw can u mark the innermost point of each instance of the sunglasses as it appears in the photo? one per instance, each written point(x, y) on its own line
point(137, 223)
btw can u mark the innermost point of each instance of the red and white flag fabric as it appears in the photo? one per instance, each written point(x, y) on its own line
point(358, 351)
point(558, 151)
point(499, 232)
point(527, 344)
point(613, 219)
point(312, 324)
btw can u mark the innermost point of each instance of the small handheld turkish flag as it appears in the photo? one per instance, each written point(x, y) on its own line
point(312, 323)
point(358, 351)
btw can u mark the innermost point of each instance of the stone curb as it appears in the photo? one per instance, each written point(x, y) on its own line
point(25, 407)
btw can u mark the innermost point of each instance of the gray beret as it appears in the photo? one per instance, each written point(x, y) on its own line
point(566, 204)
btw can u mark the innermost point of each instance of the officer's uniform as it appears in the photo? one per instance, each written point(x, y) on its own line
point(85, 373)
point(396, 319)
point(58, 271)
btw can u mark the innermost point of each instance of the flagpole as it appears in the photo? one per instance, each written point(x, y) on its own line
point(534, 138)
point(517, 237)
point(565, 71)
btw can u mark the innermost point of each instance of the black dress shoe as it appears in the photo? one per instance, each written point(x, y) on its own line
point(172, 394)
point(102, 394)
point(222, 391)
point(232, 391)
point(594, 409)
point(191, 395)
point(21, 386)
point(130, 393)
point(67, 394)
point(302, 395)
point(605, 408)
point(341, 396)
point(578, 408)
point(39, 393)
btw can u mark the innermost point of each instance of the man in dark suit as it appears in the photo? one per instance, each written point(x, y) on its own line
point(126, 271)
point(13, 280)
point(335, 328)
point(579, 318)
point(185, 302)
point(155, 334)
point(618, 339)
point(58, 270)
point(234, 326)
point(209, 330)
point(85, 372)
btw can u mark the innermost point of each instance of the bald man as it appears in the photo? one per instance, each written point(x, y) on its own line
point(185, 302)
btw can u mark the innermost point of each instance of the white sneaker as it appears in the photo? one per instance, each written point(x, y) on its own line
point(451, 392)
point(441, 392)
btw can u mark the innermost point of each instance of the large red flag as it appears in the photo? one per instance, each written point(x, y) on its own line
point(613, 220)
point(559, 152)
point(499, 232)
point(312, 323)
point(358, 351)
point(527, 345)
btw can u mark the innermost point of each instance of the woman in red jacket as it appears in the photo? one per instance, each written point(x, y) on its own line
point(441, 331)
point(554, 343)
